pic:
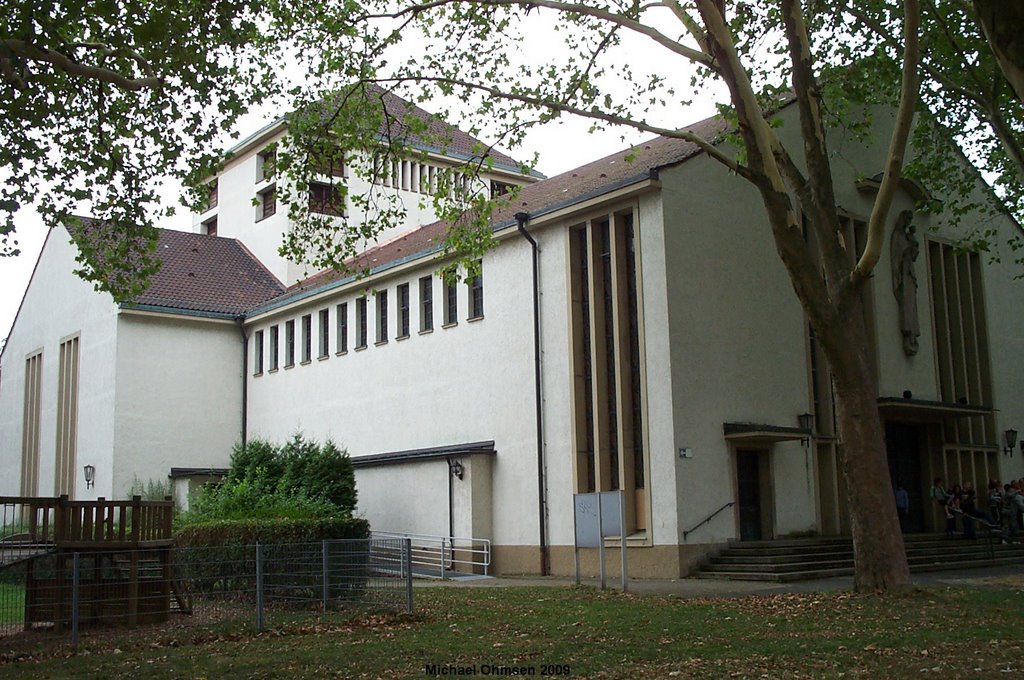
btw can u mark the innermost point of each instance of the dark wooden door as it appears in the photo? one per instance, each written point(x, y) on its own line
point(748, 491)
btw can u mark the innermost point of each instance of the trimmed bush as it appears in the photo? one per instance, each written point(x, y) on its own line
point(250, 531)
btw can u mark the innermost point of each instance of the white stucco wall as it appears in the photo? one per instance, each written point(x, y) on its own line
point(179, 396)
point(468, 383)
point(237, 217)
point(58, 304)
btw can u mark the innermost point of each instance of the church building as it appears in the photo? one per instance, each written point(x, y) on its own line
point(633, 329)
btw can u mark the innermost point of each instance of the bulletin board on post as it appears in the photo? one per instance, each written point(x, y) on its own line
point(597, 516)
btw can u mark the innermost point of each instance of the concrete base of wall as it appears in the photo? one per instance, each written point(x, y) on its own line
point(657, 561)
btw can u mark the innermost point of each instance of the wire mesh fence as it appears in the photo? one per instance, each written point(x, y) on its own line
point(78, 593)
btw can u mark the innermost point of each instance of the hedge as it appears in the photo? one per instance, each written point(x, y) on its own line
point(250, 531)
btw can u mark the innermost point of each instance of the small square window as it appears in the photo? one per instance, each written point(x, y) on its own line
point(209, 227)
point(342, 321)
point(289, 343)
point(257, 358)
point(476, 296)
point(326, 199)
point(274, 337)
point(403, 310)
point(266, 165)
point(451, 304)
point(307, 338)
point(325, 332)
point(382, 316)
point(426, 304)
point(361, 323)
point(266, 203)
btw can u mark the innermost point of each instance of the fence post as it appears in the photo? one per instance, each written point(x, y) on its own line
point(75, 575)
point(407, 572)
point(444, 541)
point(325, 570)
point(259, 588)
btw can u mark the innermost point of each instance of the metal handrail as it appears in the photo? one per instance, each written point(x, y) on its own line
point(707, 519)
point(443, 553)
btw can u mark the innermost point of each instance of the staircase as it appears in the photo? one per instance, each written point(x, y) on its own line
point(813, 558)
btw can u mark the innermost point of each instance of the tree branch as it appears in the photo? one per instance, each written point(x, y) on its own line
point(64, 63)
point(897, 146)
point(571, 8)
point(705, 145)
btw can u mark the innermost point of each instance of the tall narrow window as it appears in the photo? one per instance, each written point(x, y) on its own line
point(257, 357)
point(30, 425)
point(67, 419)
point(403, 310)
point(382, 317)
point(274, 341)
point(451, 304)
point(307, 338)
point(607, 362)
point(426, 304)
point(361, 323)
point(476, 296)
point(211, 194)
point(342, 314)
point(325, 332)
point(289, 343)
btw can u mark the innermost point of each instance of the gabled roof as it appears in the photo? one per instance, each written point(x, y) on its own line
point(620, 169)
point(207, 274)
point(441, 137)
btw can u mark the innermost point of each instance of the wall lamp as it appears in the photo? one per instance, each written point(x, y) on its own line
point(806, 421)
point(456, 469)
point(90, 476)
point(1010, 441)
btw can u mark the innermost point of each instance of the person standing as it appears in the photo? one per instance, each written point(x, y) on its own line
point(902, 505)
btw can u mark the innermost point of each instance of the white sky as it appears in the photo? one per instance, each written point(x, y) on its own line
point(560, 146)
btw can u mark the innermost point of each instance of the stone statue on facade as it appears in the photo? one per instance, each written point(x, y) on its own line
point(904, 250)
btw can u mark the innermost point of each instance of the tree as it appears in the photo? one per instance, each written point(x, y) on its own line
point(101, 102)
point(458, 53)
point(968, 66)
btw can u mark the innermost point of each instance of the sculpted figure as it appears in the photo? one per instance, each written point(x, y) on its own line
point(904, 249)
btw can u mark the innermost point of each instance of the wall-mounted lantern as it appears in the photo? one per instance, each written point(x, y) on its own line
point(90, 476)
point(1010, 441)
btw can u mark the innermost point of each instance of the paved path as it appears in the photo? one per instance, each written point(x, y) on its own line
point(699, 588)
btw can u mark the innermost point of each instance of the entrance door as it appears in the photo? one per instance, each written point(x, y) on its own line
point(751, 494)
point(903, 444)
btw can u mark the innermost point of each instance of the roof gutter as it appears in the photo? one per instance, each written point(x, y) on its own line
point(522, 219)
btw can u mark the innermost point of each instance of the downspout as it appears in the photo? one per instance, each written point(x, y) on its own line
point(240, 320)
point(522, 219)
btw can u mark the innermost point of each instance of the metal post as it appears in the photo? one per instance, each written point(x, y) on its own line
point(443, 557)
point(259, 588)
point(600, 536)
point(326, 582)
point(407, 570)
point(74, 601)
point(622, 530)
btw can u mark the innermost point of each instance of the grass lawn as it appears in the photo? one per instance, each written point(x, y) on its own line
point(12, 604)
point(569, 632)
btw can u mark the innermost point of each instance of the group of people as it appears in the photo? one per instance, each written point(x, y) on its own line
point(1005, 504)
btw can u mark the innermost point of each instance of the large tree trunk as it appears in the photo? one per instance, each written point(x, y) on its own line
point(880, 561)
point(1003, 24)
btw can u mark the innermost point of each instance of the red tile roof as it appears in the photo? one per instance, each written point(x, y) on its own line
point(593, 179)
point(208, 274)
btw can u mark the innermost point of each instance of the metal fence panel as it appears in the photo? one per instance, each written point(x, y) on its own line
point(59, 594)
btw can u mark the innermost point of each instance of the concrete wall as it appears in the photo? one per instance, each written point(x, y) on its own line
point(466, 383)
point(58, 304)
point(179, 396)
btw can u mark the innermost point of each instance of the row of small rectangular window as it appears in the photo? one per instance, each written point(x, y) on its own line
point(426, 302)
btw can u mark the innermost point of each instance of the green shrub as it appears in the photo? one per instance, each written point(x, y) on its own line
point(290, 530)
point(299, 480)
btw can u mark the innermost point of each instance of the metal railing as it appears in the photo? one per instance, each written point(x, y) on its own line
point(441, 556)
point(707, 519)
point(68, 594)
